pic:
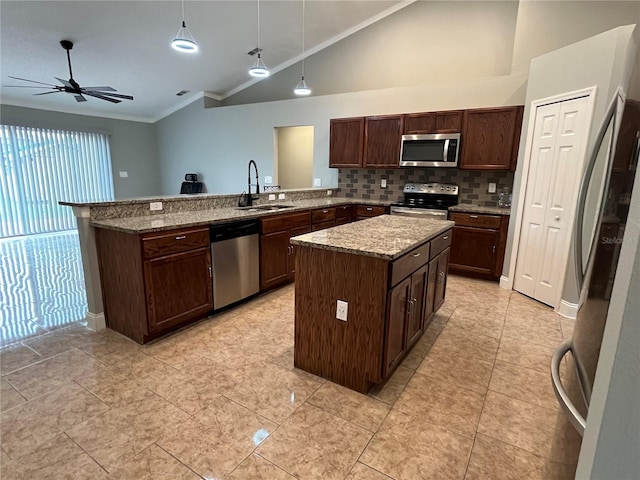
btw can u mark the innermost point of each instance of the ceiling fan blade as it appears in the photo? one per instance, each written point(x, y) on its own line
point(47, 93)
point(22, 86)
point(79, 98)
point(101, 89)
point(116, 95)
point(102, 97)
point(64, 82)
point(32, 81)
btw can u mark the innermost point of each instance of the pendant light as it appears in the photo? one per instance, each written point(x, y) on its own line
point(302, 89)
point(259, 69)
point(184, 41)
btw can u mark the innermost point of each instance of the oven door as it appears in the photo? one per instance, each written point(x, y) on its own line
point(419, 212)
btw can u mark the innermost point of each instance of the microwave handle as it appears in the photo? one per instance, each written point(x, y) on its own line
point(445, 154)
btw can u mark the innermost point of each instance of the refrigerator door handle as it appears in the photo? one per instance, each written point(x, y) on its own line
point(575, 418)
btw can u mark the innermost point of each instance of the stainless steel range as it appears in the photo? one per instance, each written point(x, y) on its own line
point(426, 200)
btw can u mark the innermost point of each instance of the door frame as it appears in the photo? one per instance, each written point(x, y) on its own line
point(590, 93)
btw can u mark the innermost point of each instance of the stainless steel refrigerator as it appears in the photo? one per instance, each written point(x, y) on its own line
point(603, 206)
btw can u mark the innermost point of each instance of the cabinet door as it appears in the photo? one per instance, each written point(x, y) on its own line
point(382, 141)
point(291, 258)
point(488, 138)
point(417, 305)
point(474, 249)
point(346, 142)
point(431, 292)
point(394, 347)
point(441, 279)
point(448, 122)
point(178, 288)
point(274, 259)
point(419, 123)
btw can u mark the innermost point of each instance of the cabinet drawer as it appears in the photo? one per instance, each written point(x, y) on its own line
point(475, 220)
point(409, 263)
point(323, 215)
point(441, 242)
point(280, 223)
point(370, 210)
point(174, 241)
point(344, 211)
point(321, 226)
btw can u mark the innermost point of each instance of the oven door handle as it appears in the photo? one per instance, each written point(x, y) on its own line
point(418, 211)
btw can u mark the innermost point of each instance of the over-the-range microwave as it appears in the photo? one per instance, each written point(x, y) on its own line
point(430, 150)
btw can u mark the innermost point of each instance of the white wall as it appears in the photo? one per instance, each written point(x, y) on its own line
point(218, 142)
point(294, 157)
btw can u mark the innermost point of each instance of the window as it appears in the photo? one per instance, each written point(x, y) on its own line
point(41, 167)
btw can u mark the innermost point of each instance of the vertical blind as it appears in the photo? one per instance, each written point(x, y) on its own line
point(41, 167)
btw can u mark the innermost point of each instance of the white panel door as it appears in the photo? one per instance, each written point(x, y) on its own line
point(557, 157)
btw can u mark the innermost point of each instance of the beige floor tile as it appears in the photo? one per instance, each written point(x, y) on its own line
point(313, 444)
point(56, 459)
point(522, 352)
point(528, 385)
point(458, 369)
point(441, 403)
point(113, 387)
point(17, 356)
point(216, 440)
point(274, 392)
point(360, 471)
point(567, 324)
point(4, 458)
point(29, 425)
point(352, 406)
point(391, 390)
point(257, 468)
point(478, 321)
point(406, 448)
point(456, 341)
point(9, 397)
point(52, 373)
point(537, 430)
point(152, 464)
point(126, 430)
point(110, 347)
point(62, 340)
point(176, 351)
point(533, 330)
point(422, 347)
point(284, 360)
point(495, 460)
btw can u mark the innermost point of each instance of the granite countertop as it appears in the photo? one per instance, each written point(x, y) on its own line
point(156, 223)
point(465, 207)
point(386, 236)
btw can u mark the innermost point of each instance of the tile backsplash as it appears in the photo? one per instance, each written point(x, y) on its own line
point(360, 183)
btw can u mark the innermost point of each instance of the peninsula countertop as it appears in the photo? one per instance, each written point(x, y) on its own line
point(386, 236)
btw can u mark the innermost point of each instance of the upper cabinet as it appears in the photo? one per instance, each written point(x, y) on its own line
point(433, 122)
point(346, 142)
point(490, 138)
point(382, 137)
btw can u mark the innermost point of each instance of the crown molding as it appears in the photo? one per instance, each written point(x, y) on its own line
point(114, 116)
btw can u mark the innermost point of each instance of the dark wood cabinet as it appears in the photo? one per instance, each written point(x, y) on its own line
point(397, 306)
point(441, 279)
point(433, 122)
point(346, 142)
point(478, 244)
point(344, 214)
point(417, 305)
point(154, 282)
point(277, 255)
point(367, 211)
point(382, 137)
point(322, 218)
point(490, 138)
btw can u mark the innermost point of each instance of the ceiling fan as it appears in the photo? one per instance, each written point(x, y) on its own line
point(71, 86)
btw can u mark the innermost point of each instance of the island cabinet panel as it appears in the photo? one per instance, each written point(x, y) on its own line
point(382, 141)
point(417, 305)
point(396, 329)
point(441, 279)
point(291, 259)
point(346, 142)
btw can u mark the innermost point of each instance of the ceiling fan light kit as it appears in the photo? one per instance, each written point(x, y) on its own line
point(184, 41)
point(302, 90)
point(259, 69)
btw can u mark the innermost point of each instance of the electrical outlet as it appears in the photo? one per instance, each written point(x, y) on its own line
point(492, 188)
point(281, 196)
point(272, 196)
point(155, 206)
point(317, 182)
point(342, 308)
point(329, 192)
point(383, 183)
point(268, 180)
point(124, 174)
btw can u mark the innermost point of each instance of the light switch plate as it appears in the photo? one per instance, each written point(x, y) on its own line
point(124, 174)
point(329, 192)
point(383, 183)
point(272, 196)
point(342, 309)
point(492, 188)
point(317, 182)
point(155, 206)
point(268, 180)
point(281, 196)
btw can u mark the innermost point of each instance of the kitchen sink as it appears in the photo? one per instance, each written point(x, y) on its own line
point(256, 208)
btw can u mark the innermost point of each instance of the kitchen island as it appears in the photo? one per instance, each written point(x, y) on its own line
point(391, 272)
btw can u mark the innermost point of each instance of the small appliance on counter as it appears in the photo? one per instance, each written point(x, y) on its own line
point(426, 200)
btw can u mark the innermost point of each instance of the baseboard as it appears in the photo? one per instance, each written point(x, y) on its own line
point(504, 283)
point(566, 309)
point(96, 321)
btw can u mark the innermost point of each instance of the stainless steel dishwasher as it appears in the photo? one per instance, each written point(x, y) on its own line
point(235, 261)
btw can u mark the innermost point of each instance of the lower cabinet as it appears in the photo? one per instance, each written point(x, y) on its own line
point(367, 211)
point(344, 214)
point(441, 278)
point(155, 282)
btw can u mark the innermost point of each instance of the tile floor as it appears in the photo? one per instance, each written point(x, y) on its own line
point(221, 399)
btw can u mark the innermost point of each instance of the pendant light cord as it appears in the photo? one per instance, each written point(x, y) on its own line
point(303, 2)
point(258, 27)
point(183, 12)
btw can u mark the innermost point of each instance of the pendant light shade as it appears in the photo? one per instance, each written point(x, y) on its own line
point(259, 69)
point(302, 89)
point(184, 41)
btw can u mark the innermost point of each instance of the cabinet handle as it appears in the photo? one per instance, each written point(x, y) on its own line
point(409, 303)
point(181, 237)
point(416, 255)
point(210, 273)
point(494, 249)
point(473, 216)
point(445, 237)
point(369, 209)
point(325, 211)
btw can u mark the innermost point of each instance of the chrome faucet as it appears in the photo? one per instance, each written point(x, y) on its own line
point(251, 198)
